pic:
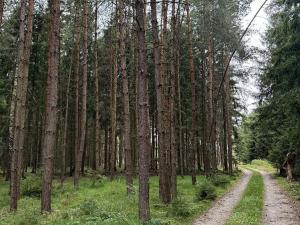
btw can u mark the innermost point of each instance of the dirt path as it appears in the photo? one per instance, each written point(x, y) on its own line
point(222, 209)
point(278, 209)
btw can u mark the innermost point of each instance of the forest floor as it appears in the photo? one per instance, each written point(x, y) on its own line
point(104, 202)
point(257, 198)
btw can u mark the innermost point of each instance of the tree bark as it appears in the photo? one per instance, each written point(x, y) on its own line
point(172, 103)
point(164, 189)
point(65, 130)
point(127, 127)
point(24, 50)
point(225, 113)
point(205, 121)
point(193, 82)
point(211, 117)
point(228, 109)
point(143, 125)
point(79, 158)
point(51, 106)
point(113, 115)
point(76, 76)
point(97, 100)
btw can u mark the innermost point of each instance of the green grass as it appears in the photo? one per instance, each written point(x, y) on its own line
point(262, 165)
point(292, 188)
point(106, 203)
point(249, 209)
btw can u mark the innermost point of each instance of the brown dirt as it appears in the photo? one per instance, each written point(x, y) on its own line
point(222, 209)
point(279, 209)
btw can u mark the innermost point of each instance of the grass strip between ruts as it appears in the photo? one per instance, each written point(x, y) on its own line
point(249, 209)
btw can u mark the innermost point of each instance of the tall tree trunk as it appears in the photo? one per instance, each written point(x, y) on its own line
point(97, 101)
point(159, 100)
point(51, 106)
point(193, 82)
point(113, 115)
point(79, 158)
point(127, 128)
point(172, 103)
point(143, 125)
point(210, 103)
point(76, 76)
point(229, 120)
point(178, 84)
point(113, 104)
point(65, 130)
point(225, 117)
point(24, 50)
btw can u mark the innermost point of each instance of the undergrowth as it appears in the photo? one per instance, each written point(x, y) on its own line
point(101, 201)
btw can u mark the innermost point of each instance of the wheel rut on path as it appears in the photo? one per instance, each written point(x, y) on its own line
point(222, 209)
point(279, 209)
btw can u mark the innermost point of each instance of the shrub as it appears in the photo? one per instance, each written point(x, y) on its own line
point(31, 186)
point(179, 208)
point(206, 191)
point(96, 178)
point(220, 180)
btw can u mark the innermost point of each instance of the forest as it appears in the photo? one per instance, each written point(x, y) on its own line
point(128, 112)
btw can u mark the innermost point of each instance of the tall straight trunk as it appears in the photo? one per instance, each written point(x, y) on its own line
point(113, 101)
point(178, 85)
point(193, 82)
point(225, 118)
point(172, 103)
point(205, 147)
point(166, 194)
point(65, 130)
point(127, 128)
point(97, 101)
point(1, 11)
point(143, 125)
point(24, 50)
point(49, 138)
point(76, 76)
point(211, 117)
point(159, 85)
point(113, 113)
point(79, 158)
point(228, 116)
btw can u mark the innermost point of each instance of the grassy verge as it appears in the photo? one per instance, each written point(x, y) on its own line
point(292, 188)
point(249, 209)
point(105, 202)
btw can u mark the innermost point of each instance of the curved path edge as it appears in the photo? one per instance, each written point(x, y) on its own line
point(222, 208)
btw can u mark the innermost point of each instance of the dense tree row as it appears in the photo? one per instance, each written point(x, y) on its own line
point(139, 87)
point(272, 131)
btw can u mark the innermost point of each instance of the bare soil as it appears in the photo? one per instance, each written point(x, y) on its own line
point(222, 209)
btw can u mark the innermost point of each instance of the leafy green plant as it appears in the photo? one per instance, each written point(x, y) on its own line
point(31, 186)
point(206, 191)
point(179, 208)
point(220, 180)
